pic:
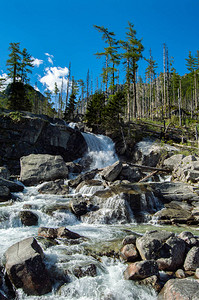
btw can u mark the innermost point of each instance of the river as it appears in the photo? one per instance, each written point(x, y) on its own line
point(63, 257)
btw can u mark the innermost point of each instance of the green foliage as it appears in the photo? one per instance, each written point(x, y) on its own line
point(95, 110)
point(16, 116)
point(17, 98)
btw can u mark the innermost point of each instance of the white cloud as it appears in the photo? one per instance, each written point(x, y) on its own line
point(6, 82)
point(50, 58)
point(37, 62)
point(55, 75)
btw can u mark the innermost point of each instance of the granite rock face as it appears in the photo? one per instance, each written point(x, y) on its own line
point(38, 134)
point(36, 168)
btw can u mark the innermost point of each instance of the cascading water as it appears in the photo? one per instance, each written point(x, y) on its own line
point(101, 150)
point(52, 211)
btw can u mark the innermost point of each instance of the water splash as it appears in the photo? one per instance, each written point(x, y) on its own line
point(101, 150)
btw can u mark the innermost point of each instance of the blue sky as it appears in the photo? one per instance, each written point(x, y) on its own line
point(59, 32)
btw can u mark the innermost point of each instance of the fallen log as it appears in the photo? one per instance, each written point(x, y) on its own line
point(149, 168)
point(148, 176)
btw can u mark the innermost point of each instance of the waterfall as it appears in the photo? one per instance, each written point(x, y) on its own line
point(101, 150)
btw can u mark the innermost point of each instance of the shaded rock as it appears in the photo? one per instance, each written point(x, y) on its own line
point(88, 270)
point(129, 253)
point(74, 167)
point(179, 289)
point(129, 239)
point(60, 232)
point(28, 218)
point(4, 193)
point(4, 173)
point(150, 244)
point(25, 267)
point(79, 207)
point(63, 232)
point(192, 260)
point(38, 134)
point(11, 185)
point(56, 187)
point(152, 281)
point(82, 177)
point(110, 173)
point(172, 254)
point(141, 270)
point(129, 173)
point(36, 168)
point(189, 238)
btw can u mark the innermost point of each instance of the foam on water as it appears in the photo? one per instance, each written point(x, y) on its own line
point(101, 150)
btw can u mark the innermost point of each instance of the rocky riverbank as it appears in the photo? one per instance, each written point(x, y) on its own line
point(123, 193)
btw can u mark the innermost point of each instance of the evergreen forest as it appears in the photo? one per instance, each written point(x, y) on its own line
point(158, 97)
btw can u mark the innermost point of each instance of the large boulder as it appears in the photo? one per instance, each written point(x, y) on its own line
point(141, 269)
point(28, 218)
point(36, 168)
point(174, 161)
point(26, 269)
point(179, 289)
point(172, 254)
point(110, 173)
point(38, 134)
point(151, 242)
point(192, 260)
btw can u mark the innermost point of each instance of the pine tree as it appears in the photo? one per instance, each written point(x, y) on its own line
point(14, 62)
point(111, 56)
point(26, 65)
point(133, 49)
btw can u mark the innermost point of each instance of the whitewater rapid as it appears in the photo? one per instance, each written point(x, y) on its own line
point(63, 257)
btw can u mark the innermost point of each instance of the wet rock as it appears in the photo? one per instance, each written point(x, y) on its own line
point(60, 232)
point(28, 218)
point(179, 289)
point(172, 254)
point(131, 174)
point(89, 183)
point(36, 168)
point(129, 239)
point(46, 232)
point(180, 274)
point(79, 207)
point(82, 177)
point(150, 244)
point(110, 173)
point(152, 281)
point(11, 185)
point(141, 270)
point(2, 296)
point(4, 173)
point(192, 260)
point(56, 187)
point(74, 167)
point(4, 193)
point(129, 253)
point(26, 269)
point(89, 270)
